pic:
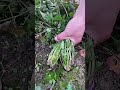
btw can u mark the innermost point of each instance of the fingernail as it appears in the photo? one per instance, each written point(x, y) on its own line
point(56, 39)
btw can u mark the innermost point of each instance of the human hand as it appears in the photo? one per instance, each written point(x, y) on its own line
point(76, 27)
point(74, 30)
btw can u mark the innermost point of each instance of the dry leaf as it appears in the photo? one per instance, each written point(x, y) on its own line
point(114, 64)
point(116, 69)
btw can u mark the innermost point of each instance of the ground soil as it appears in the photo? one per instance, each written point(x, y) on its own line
point(17, 64)
point(105, 79)
point(16, 61)
point(42, 52)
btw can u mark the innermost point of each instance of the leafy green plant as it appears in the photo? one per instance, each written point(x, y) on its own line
point(70, 79)
point(51, 18)
point(64, 51)
point(54, 55)
point(52, 14)
point(50, 77)
point(62, 85)
point(90, 58)
point(67, 53)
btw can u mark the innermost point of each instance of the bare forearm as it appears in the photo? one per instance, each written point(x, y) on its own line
point(80, 12)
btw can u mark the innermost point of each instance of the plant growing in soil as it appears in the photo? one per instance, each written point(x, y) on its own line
point(64, 51)
point(51, 17)
point(90, 59)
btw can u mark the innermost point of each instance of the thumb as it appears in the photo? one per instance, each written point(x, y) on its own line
point(61, 36)
point(82, 52)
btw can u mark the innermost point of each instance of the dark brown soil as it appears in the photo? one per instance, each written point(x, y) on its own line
point(105, 79)
point(16, 61)
point(42, 51)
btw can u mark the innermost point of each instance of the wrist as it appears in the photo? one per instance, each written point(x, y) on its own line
point(79, 19)
point(80, 12)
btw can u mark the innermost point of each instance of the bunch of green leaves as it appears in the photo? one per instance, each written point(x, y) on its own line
point(54, 55)
point(64, 51)
point(62, 79)
point(91, 64)
point(67, 53)
point(52, 16)
point(70, 80)
point(52, 76)
point(90, 58)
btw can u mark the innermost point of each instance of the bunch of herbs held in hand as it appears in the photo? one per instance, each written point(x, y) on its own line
point(63, 51)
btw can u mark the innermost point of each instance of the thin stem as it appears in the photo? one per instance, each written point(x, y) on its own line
point(112, 53)
point(64, 8)
point(10, 11)
point(14, 16)
point(23, 4)
point(26, 19)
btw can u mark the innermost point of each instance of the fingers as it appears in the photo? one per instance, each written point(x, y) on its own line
point(65, 35)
